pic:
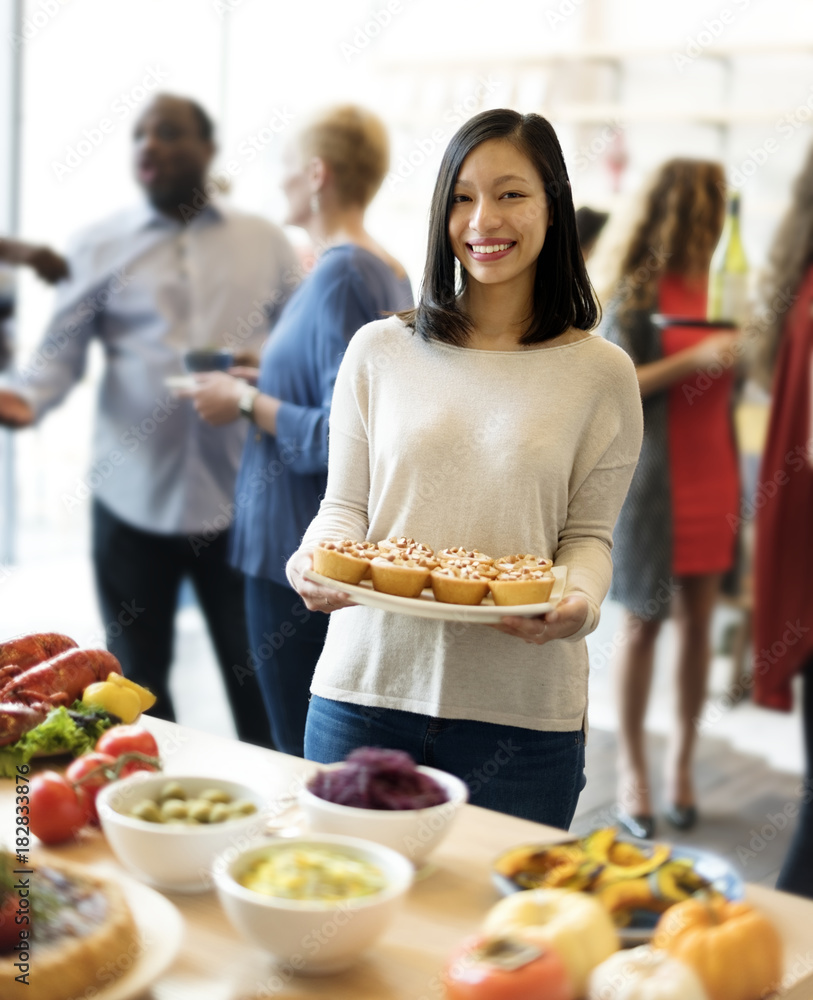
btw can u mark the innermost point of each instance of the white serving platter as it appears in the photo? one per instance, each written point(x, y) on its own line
point(187, 382)
point(425, 606)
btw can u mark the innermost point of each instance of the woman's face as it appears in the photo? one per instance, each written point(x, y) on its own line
point(499, 215)
point(295, 186)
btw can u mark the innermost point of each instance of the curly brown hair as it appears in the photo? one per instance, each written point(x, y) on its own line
point(790, 255)
point(676, 230)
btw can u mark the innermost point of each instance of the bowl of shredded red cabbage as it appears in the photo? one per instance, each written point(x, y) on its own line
point(372, 778)
point(382, 795)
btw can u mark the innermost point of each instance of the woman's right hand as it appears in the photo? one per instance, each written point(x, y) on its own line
point(723, 348)
point(247, 373)
point(315, 596)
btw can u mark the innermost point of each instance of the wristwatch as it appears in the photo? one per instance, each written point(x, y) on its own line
point(245, 403)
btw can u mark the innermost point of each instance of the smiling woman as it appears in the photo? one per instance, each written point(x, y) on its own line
point(491, 416)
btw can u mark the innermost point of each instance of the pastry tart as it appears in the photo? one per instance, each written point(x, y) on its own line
point(526, 585)
point(81, 935)
point(401, 575)
point(345, 561)
point(458, 554)
point(460, 583)
point(506, 564)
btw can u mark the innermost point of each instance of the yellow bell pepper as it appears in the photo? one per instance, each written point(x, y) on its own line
point(120, 701)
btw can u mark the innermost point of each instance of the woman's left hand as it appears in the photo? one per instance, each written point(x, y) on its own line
point(567, 618)
point(216, 396)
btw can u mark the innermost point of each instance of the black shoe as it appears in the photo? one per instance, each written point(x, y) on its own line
point(642, 827)
point(681, 817)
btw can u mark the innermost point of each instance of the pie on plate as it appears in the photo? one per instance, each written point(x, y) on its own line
point(81, 933)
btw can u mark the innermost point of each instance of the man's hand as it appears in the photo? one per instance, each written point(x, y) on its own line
point(14, 410)
point(216, 397)
point(567, 618)
point(48, 265)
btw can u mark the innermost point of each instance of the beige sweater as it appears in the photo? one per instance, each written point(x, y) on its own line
point(523, 451)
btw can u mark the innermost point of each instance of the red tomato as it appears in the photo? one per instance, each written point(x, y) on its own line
point(58, 811)
point(128, 739)
point(505, 969)
point(83, 766)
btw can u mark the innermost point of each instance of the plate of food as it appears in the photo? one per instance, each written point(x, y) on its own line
point(426, 605)
point(99, 933)
point(160, 929)
point(635, 879)
point(661, 320)
point(184, 382)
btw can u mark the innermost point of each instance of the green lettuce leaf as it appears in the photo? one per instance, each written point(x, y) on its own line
point(73, 731)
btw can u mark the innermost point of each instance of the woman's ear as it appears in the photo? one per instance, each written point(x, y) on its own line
point(316, 172)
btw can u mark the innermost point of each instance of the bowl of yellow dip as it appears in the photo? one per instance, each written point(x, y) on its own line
point(315, 903)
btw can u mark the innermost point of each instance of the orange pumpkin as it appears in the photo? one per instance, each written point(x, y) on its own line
point(733, 948)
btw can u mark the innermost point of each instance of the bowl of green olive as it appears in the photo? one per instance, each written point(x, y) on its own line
point(167, 830)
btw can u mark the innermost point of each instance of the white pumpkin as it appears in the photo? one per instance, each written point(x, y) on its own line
point(644, 974)
point(573, 923)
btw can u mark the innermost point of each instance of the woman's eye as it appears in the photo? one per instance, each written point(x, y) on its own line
point(458, 198)
point(512, 194)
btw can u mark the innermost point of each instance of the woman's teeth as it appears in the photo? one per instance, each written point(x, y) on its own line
point(491, 247)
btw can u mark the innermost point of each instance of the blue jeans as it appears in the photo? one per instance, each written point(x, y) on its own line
point(531, 774)
point(286, 641)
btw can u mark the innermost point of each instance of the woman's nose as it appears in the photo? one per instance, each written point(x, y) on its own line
point(485, 215)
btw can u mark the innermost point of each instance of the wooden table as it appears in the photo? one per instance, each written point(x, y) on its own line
point(214, 963)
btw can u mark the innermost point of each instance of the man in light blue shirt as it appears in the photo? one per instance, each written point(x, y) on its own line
point(178, 272)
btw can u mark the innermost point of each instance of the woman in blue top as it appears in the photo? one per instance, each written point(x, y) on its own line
point(332, 171)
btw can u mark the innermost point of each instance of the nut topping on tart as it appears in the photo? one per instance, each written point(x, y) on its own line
point(508, 563)
point(405, 546)
point(457, 552)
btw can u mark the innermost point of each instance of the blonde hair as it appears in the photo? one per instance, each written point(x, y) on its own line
point(674, 229)
point(790, 254)
point(353, 143)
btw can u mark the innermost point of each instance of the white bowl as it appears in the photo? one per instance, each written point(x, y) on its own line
point(307, 937)
point(174, 857)
point(415, 833)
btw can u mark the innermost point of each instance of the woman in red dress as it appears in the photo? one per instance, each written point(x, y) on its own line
point(673, 540)
point(783, 579)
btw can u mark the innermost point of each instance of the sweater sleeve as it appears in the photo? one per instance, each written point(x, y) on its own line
point(345, 305)
point(586, 541)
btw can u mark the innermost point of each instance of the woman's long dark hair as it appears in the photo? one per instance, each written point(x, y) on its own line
point(563, 295)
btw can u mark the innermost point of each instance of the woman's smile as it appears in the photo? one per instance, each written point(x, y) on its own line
point(490, 249)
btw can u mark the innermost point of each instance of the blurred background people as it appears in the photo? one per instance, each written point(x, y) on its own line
point(333, 168)
point(672, 540)
point(175, 272)
point(589, 224)
point(44, 261)
point(783, 598)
